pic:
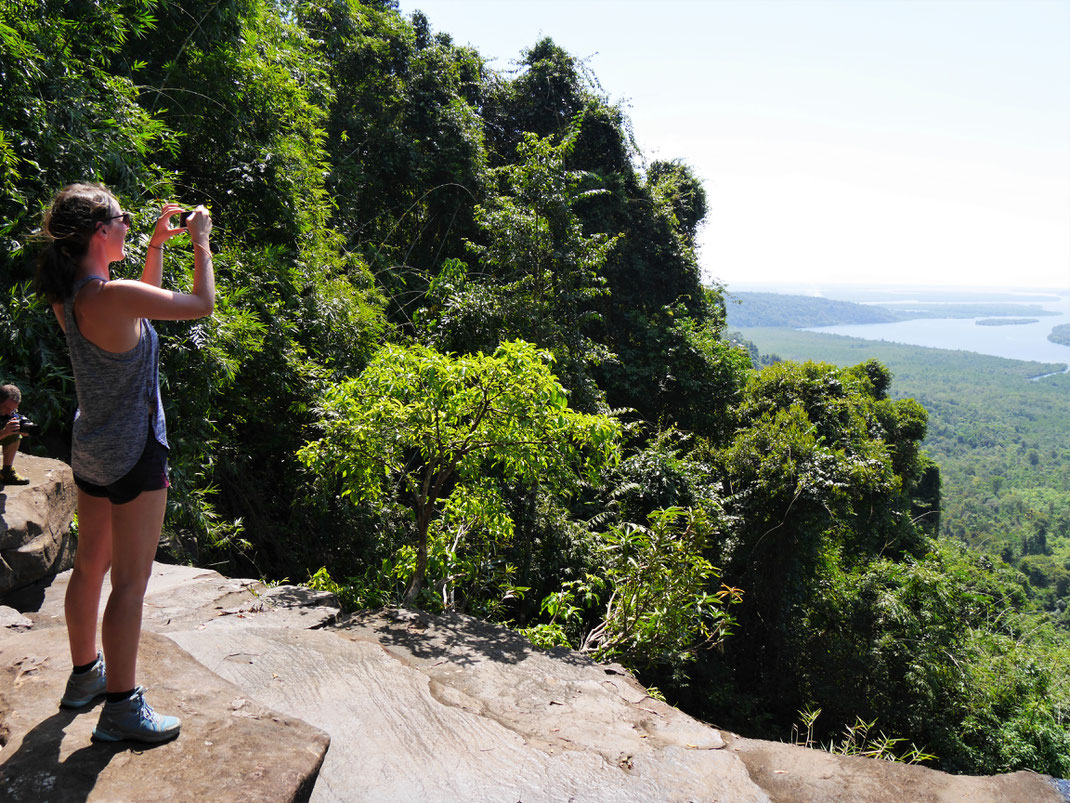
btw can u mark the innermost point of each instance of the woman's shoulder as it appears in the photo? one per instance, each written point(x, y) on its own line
point(110, 290)
point(109, 296)
point(130, 299)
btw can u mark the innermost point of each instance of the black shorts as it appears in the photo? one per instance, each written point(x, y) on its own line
point(148, 474)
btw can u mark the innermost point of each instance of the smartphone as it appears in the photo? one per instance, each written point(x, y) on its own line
point(183, 218)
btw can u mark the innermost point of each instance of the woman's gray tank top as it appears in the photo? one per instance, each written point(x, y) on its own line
point(118, 396)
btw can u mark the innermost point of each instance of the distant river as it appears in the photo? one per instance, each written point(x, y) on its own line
point(1022, 342)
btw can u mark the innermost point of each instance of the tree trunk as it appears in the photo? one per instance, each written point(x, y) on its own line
point(423, 520)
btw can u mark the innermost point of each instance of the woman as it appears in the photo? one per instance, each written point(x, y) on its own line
point(119, 444)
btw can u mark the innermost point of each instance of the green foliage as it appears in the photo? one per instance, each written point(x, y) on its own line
point(34, 358)
point(278, 335)
point(817, 480)
point(542, 100)
point(658, 473)
point(245, 90)
point(446, 429)
point(546, 271)
point(404, 141)
point(224, 111)
point(676, 370)
point(659, 608)
point(651, 273)
point(71, 110)
point(811, 451)
point(1001, 440)
point(953, 650)
point(649, 597)
point(676, 188)
point(857, 741)
point(943, 650)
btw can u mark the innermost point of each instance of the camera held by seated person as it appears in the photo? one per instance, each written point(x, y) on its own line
point(15, 427)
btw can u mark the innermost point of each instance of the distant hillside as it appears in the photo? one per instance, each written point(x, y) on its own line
point(782, 310)
point(1060, 334)
point(936, 295)
point(776, 309)
point(957, 310)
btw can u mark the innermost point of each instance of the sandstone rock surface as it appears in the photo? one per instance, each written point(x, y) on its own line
point(12, 619)
point(231, 748)
point(403, 723)
point(790, 773)
point(453, 727)
point(35, 522)
point(447, 708)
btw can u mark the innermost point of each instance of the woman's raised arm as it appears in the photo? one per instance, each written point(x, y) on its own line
point(164, 231)
point(146, 299)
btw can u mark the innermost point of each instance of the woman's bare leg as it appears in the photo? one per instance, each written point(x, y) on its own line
point(135, 534)
point(91, 561)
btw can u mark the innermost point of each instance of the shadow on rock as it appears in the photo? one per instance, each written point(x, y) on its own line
point(464, 639)
point(34, 772)
point(29, 598)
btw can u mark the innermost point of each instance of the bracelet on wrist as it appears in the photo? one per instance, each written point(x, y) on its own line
point(157, 247)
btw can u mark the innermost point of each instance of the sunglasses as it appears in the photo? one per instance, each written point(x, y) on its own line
point(126, 217)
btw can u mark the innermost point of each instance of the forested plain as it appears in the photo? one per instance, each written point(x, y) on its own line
point(1000, 436)
point(461, 358)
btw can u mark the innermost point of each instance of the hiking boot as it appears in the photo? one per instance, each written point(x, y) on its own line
point(84, 688)
point(134, 719)
point(8, 476)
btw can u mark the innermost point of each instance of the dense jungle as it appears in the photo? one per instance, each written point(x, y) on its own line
point(461, 357)
point(1001, 437)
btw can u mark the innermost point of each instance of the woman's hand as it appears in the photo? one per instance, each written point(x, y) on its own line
point(199, 224)
point(164, 231)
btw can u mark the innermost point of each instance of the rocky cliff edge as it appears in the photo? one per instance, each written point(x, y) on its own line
point(412, 707)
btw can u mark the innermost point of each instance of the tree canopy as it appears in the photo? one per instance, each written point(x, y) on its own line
point(451, 430)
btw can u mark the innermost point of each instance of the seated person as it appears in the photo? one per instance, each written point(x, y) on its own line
point(10, 436)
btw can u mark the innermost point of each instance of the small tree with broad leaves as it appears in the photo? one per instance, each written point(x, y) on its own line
point(441, 425)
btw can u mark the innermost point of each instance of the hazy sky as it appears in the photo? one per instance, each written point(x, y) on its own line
point(902, 141)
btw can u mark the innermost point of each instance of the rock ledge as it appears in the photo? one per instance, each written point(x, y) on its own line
point(418, 707)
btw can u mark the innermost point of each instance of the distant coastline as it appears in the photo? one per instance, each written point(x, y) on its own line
point(991, 322)
point(899, 294)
